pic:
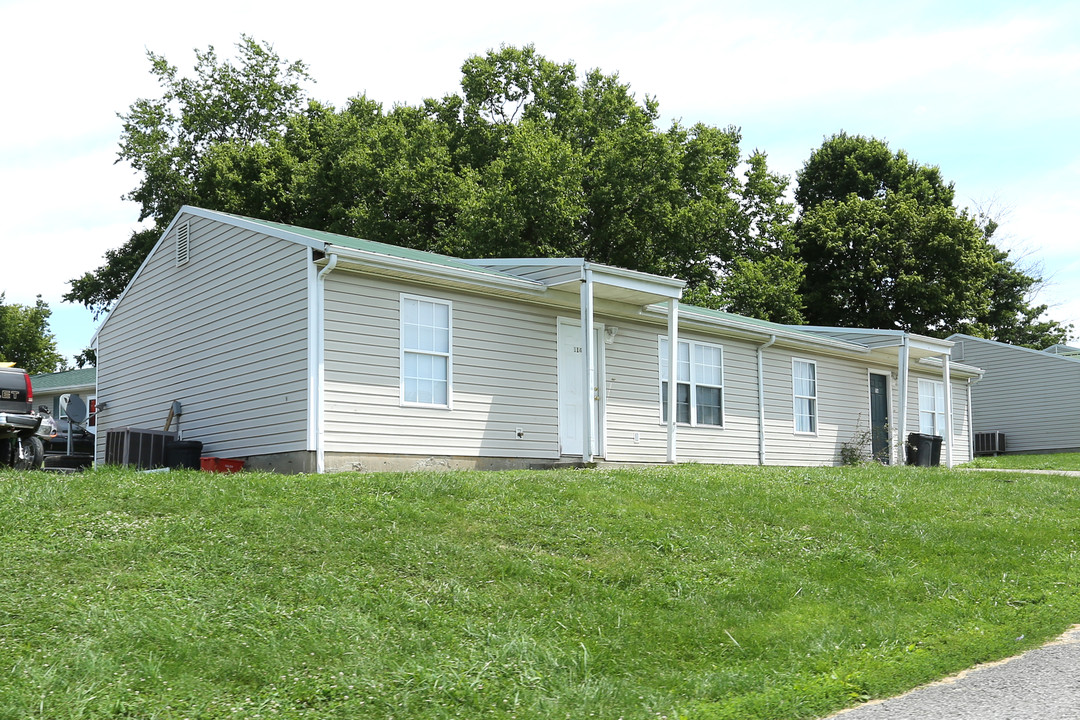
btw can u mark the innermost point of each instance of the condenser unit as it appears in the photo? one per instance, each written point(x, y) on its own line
point(989, 443)
point(134, 447)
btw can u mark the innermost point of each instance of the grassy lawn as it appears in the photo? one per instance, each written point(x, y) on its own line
point(1051, 461)
point(678, 592)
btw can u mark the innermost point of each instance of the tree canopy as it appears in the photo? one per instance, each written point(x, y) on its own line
point(25, 338)
point(527, 159)
point(530, 158)
point(167, 141)
point(885, 247)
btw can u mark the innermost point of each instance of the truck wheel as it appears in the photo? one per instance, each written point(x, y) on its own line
point(31, 454)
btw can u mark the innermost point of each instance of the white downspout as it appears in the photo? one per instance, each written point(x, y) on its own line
point(902, 389)
point(948, 410)
point(673, 377)
point(971, 419)
point(588, 387)
point(320, 361)
point(761, 398)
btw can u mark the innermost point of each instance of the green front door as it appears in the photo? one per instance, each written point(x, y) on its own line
point(879, 417)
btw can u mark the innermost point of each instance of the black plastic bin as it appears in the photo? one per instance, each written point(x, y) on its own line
point(183, 454)
point(924, 450)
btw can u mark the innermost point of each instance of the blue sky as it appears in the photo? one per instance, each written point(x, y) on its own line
point(988, 91)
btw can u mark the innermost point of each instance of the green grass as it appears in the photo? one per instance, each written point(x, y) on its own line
point(1046, 461)
point(680, 592)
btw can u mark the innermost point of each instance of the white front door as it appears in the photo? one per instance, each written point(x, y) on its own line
point(572, 394)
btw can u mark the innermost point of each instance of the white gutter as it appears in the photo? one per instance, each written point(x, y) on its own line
point(902, 390)
point(971, 418)
point(320, 364)
point(689, 317)
point(673, 379)
point(588, 387)
point(948, 411)
point(761, 399)
point(470, 276)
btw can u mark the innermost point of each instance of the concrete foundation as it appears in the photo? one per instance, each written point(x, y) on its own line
point(305, 462)
point(368, 462)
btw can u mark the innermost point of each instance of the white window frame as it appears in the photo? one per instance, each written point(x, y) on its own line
point(932, 414)
point(407, 351)
point(796, 397)
point(693, 381)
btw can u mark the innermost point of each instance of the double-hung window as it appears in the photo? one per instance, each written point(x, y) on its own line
point(804, 384)
point(932, 407)
point(426, 370)
point(699, 379)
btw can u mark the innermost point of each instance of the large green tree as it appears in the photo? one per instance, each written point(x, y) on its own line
point(885, 247)
point(527, 160)
point(167, 139)
point(25, 338)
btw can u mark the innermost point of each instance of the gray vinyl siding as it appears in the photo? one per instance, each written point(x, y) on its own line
point(843, 404)
point(632, 395)
point(842, 408)
point(632, 363)
point(225, 334)
point(634, 404)
point(737, 441)
point(503, 365)
point(1029, 395)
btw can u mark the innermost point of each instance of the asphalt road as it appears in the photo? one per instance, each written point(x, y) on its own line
point(1042, 684)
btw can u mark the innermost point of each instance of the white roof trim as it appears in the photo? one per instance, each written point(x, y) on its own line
point(373, 259)
point(253, 225)
point(376, 260)
point(687, 314)
point(606, 274)
point(955, 368)
point(161, 239)
point(922, 342)
point(636, 280)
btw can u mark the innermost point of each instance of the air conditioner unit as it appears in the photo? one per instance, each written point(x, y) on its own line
point(989, 443)
point(133, 447)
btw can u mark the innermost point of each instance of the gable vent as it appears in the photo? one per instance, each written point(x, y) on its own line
point(183, 247)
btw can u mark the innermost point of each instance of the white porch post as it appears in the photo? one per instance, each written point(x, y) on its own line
point(948, 410)
point(318, 373)
point(902, 390)
point(761, 397)
point(673, 377)
point(588, 345)
point(970, 423)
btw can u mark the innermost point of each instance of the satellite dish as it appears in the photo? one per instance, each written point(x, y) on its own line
point(76, 409)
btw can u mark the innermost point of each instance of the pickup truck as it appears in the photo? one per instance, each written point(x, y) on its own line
point(19, 448)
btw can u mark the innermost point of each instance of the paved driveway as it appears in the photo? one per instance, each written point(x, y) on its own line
point(1043, 684)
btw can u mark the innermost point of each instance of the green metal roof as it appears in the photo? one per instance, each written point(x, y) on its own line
point(745, 320)
point(372, 246)
point(66, 379)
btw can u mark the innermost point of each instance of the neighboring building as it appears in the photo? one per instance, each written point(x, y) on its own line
point(1029, 395)
point(1060, 349)
point(301, 350)
point(52, 391)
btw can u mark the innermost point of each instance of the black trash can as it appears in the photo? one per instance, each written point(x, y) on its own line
point(183, 454)
point(920, 449)
point(935, 451)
